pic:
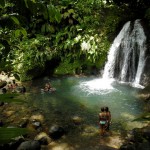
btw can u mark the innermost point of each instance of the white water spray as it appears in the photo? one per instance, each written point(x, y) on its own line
point(126, 60)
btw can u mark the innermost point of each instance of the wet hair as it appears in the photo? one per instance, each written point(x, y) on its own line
point(106, 109)
point(102, 109)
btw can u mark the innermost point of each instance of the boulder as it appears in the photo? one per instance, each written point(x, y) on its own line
point(29, 145)
point(43, 138)
point(56, 132)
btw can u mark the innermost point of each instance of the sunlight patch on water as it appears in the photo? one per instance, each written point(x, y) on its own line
point(97, 86)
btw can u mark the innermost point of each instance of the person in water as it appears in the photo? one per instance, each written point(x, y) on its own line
point(108, 115)
point(47, 87)
point(103, 121)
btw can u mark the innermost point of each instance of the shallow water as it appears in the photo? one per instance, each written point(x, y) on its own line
point(83, 97)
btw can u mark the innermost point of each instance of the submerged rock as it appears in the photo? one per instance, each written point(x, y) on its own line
point(29, 145)
point(1, 103)
point(56, 132)
point(43, 138)
point(77, 120)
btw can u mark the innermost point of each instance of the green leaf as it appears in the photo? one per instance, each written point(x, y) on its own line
point(58, 16)
point(11, 97)
point(52, 29)
point(26, 3)
point(17, 33)
point(43, 28)
point(71, 11)
point(45, 12)
point(33, 1)
point(66, 14)
point(24, 32)
point(51, 12)
point(7, 134)
point(15, 20)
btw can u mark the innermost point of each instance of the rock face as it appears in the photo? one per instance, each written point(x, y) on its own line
point(138, 139)
point(145, 79)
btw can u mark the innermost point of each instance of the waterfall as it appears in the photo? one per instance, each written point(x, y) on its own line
point(126, 57)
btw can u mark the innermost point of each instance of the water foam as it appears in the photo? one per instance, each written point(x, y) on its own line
point(97, 86)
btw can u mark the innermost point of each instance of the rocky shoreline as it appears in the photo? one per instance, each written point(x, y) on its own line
point(44, 137)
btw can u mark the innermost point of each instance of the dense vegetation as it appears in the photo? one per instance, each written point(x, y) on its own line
point(61, 37)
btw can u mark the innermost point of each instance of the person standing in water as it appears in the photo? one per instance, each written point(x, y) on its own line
point(103, 121)
point(108, 116)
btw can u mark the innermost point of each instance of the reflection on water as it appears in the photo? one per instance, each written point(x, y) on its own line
point(83, 97)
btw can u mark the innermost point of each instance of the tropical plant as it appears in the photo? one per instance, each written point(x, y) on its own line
point(76, 30)
point(9, 134)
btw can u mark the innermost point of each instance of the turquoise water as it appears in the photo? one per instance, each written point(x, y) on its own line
point(84, 97)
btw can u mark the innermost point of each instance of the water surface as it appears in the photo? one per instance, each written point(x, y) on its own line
point(83, 97)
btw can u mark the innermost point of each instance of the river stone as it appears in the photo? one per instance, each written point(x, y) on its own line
point(29, 145)
point(128, 147)
point(1, 123)
point(1, 103)
point(146, 132)
point(77, 120)
point(143, 146)
point(24, 123)
point(36, 124)
point(56, 132)
point(43, 138)
point(12, 145)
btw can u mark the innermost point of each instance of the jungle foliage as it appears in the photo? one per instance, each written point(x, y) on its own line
point(76, 33)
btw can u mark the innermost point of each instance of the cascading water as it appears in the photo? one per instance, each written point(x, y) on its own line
point(126, 58)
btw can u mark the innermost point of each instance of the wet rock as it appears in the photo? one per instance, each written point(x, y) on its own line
point(143, 146)
point(12, 145)
point(56, 132)
point(24, 123)
point(146, 132)
point(37, 117)
point(43, 138)
point(29, 145)
point(128, 147)
point(138, 139)
point(1, 123)
point(36, 124)
point(1, 103)
point(77, 120)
